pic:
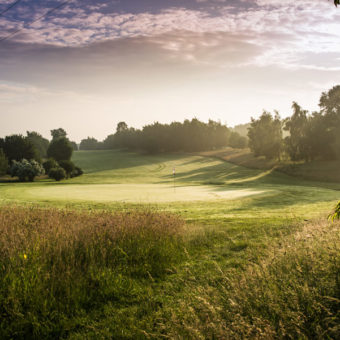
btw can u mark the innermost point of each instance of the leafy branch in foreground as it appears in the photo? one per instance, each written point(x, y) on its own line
point(336, 215)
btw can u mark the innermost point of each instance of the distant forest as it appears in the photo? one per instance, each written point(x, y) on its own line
point(303, 136)
point(191, 135)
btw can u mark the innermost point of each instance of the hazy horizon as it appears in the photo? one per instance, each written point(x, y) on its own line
point(91, 64)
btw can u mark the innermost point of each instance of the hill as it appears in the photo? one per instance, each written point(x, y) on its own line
point(322, 171)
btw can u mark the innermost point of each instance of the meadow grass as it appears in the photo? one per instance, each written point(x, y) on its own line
point(143, 274)
point(293, 292)
point(207, 260)
point(58, 265)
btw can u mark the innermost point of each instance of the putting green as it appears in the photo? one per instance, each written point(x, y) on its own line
point(136, 193)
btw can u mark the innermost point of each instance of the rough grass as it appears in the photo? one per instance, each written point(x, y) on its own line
point(57, 265)
point(292, 293)
point(142, 274)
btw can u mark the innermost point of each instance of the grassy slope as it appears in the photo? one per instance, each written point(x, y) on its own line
point(223, 234)
point(203, 188)
point(323, 171)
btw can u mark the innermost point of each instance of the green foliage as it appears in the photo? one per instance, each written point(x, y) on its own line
point(26, 170)
point(297, 141)
point(40, 143)
point(89, 144)
point(265, 136)
point(191, 135)
point(49, 164)
point(57, 133)
point(77, 172)
point(336, 214)
point(74, 146)
point(60, 149)
point(121, 127)
point(237, 141)
point(17, 147)
point(57, 173)
point(3, 163)
point(330, 109)
point(68, 166)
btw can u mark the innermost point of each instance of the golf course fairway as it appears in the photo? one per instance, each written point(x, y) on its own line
point(202, 186)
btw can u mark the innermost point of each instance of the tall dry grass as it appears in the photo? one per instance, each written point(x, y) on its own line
point(55, 264)
point(294, 293)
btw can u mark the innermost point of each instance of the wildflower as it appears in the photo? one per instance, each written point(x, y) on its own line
point(25, 256)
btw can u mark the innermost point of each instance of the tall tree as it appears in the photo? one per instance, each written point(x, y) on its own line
point(56, 133)
point(89, 144)
point(40, 143)
point(297, 126)
point(17, 147)
point(3, 163)
point(265, 135)
point(330, 108)
point(121, 127)
point(60, 149)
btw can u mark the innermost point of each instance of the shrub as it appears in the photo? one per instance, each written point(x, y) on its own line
point(77, 172)
point(49, 164)
point(57, 173)
point(68, 166)
point(26, 170)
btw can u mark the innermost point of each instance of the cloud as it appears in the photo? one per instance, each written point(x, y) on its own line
point(120, 62)
point(280, 30)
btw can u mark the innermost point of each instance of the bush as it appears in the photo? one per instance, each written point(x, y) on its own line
point(57, 173)
point(3, 163)
point(60, 149)
point(77, 172)
point(49, 164)
point(26, 170)
point(68, 166)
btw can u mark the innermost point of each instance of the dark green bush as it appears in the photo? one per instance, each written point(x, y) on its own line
point(77, 172)
point(57, 173)
point(49, 164)
point(68, 166)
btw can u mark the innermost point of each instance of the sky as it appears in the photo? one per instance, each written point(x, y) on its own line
point(88, 65)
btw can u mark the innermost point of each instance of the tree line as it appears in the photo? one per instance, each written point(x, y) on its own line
point(191, 135)
point(32, 155)
point(310, 136)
